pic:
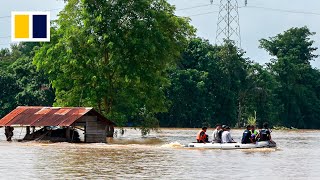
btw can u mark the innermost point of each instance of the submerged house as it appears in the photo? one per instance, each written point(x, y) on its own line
point(60, 123)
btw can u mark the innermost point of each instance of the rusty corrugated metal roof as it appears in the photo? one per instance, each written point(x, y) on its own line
point(48, 116)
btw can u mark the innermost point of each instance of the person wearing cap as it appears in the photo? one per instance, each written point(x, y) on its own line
point(202, 137)
point(226, 136)
point(216, 135)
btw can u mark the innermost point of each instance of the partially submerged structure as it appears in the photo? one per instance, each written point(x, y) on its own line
point(59, 123)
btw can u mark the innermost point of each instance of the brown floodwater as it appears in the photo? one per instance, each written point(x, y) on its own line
point(160, 156)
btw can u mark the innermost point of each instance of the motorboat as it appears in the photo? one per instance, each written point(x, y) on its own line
point(209, 145)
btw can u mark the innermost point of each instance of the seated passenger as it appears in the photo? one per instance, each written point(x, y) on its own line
point(202, 137)
point(254, 133)
point(246, 137)
point(226, 136)
point(216, 135)
point(265, 133)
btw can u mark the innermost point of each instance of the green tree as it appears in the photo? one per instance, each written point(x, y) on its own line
point(234, 83)
point(4, 58)
point(206, 85)
point(188, 99)
point(261, 100)
point(188, 93)
point(298, 81)
point(113, 55)
point(35, 86)
point(8, 90)
point(21, 83)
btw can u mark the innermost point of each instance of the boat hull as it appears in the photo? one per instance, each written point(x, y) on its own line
point(262, 144)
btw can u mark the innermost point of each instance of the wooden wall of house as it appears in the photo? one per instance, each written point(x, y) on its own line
point(95, 130)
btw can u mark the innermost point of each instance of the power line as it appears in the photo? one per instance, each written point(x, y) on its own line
point(200, 14)
point(257, 7)
point(205, 13)
point(6, 44)
point(4, 37)
point(198, 6)
point(204, 5)
point(282, 10)
point(2, 17)
point(210, 12)
point(57, 9)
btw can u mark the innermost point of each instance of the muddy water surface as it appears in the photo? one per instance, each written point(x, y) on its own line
point(160, 156)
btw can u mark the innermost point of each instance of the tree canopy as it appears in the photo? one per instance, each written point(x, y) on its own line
point(217, 84)
point(298, 89)
point(21, 83)
point(206, 85)
point(113, 55)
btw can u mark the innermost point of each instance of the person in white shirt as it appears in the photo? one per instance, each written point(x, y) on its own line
point(226, 136)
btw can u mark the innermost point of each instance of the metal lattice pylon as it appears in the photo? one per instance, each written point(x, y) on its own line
point(228, 27)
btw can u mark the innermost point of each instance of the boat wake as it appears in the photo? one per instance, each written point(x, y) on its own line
point(172, 145)
point(260, 150)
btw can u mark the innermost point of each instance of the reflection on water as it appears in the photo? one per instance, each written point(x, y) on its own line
point(126, 141)
point(161, 156)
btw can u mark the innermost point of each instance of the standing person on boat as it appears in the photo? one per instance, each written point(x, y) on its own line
point(216, 135)
point(226, 136)
point(265, 133)
point(246, 137)
point(202, 137)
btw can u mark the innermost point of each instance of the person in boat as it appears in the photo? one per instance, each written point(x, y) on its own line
point(202, 137)
point(216, 135)
point(226, 136)
point(246, 137)
point(254, 133)
point(265, 133)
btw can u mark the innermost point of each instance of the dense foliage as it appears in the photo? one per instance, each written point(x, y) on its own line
point(206, 85)
point(216, 84)
point(113, 55)
point(139, 64)
point(21, 83)
point(298, 88)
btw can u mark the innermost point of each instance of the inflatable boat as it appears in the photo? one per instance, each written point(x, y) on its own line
point(262, 144)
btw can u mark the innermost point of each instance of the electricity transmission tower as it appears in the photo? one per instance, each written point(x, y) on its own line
point(228, 27)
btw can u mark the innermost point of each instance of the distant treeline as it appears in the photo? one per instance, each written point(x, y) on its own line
point(139, 64)
point(217, 84)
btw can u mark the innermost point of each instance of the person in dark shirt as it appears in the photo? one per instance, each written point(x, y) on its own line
point(246, 137)
point(265, 133)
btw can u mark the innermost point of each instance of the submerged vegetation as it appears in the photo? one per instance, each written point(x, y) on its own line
point(141, 65)
point(252, 120)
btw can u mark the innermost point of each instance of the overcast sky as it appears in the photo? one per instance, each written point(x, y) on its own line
point(256, 23)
